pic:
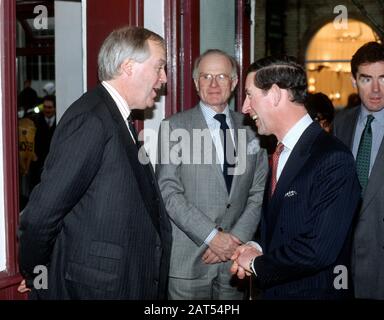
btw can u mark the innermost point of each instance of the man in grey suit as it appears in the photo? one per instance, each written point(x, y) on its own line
point(96, 221)
point(362, 130)
point(212, 193)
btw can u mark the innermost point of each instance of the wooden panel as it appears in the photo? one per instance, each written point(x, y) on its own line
point(9, 279)
point(102, 18)
point(242, 47)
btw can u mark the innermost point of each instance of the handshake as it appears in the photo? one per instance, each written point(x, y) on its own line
point(226, 246)
point(243, 258)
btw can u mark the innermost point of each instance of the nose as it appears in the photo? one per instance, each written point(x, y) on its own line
point(213, 82)
point(163, 77)
point(246, 106)
point(375, 85)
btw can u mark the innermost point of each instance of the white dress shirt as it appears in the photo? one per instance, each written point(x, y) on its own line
point(122, 105)
point(289, 141)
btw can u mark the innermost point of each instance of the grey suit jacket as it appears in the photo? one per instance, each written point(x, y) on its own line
point(368, 245)
point(195, 195)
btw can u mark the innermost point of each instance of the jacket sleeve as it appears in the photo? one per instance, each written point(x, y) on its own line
point(73, 161)
point(334, 198)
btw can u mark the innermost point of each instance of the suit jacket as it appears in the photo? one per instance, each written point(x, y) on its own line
point(368, 252)
point(43, 139)
point(306, 225)
point(195, 193)
point(96, 219)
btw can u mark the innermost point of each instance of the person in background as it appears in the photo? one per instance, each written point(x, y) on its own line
point(27, 98)
point(321, 109)
point(362, 130)
point(45, 127)
point(96, 221)
point(311, 194)
point(214, 204)
point(353, 101)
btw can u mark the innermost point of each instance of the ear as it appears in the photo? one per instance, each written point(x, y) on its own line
point(353, 82)
point(127, 66)
point(196, 85)
point(275, 92)
point(234, 84)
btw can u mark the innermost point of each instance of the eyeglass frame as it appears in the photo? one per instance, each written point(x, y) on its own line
point(227, 78)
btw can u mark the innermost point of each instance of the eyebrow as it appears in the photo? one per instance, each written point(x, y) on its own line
point(363, 75)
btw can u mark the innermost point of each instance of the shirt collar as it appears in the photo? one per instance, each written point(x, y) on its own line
point(119, 100)
point(379, 115)
point(294, 134)
point(209, 113)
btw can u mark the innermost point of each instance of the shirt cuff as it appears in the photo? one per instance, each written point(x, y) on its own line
point(255, 245)
point(211, 236)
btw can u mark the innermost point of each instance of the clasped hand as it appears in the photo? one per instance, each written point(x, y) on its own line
point(221, 248)
point(241, 259)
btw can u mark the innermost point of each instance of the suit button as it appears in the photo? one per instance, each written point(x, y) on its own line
point(228, 205)
point(156, 283)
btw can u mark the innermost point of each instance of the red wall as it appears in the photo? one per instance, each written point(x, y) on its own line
point(102, 18)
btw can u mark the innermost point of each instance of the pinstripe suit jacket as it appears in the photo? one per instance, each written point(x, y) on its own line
point(368, 250)
point(196, 197)
point(96, 219)
point(306, 225)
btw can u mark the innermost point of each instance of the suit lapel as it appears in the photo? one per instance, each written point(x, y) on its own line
point(139, 169)
point(237, 124)
point(348, 126)
point(200, 123)
point(296, 161)
point(375, 182)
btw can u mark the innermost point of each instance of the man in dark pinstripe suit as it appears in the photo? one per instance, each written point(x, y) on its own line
point(311, 195)
point(97, 220)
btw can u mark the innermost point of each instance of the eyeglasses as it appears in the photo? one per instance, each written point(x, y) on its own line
point(220, 78)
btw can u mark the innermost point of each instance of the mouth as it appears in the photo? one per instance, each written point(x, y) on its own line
point(254, 117)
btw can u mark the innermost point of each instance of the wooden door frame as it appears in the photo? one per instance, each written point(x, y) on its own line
point(10, 278)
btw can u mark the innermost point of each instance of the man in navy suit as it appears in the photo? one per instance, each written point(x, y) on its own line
point(97, 221)
point(311, 195)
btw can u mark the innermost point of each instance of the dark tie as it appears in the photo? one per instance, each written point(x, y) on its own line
point(228, 149)
point(132, 128)
point(363, 158)
point(275, 162)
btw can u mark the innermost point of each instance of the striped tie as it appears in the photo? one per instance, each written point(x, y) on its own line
point(275, 162)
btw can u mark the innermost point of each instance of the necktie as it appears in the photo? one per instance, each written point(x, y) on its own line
point(133, 131)
point(364, 153)
point(228, 149)
point(275, 162)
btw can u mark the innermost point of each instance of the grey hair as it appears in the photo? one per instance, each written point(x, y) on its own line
point(121, 44)
point(219, 52)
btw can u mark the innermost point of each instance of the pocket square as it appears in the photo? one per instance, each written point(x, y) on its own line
point(253, 146)
point(290, 194)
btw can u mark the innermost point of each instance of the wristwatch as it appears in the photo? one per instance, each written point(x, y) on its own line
point(219, 228)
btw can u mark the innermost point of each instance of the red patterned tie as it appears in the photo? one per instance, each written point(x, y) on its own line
point(275, 162)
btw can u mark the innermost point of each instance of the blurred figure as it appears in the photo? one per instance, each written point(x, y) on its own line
point(353, 101)
point(26, 136)
point(45, 127)
point(27, 98)
point(321, 109)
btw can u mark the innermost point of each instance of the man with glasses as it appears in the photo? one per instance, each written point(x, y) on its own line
point(214, 204)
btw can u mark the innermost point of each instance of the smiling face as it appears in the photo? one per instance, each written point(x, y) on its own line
point(146, 78)
point(215, 91)
point(370, 85)
point(258, 103)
